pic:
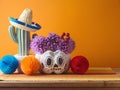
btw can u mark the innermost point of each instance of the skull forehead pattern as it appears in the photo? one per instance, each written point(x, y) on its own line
point(54, 62)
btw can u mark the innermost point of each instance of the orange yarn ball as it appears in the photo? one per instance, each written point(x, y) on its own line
point(30, 65)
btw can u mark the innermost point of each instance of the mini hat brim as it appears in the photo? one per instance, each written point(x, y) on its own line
point(24, 26)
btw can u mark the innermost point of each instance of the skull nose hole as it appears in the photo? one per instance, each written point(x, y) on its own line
point(55, 65)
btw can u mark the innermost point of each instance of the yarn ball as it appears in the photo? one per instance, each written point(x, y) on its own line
point(8, 64)
point(30, 65)
point(79, 65)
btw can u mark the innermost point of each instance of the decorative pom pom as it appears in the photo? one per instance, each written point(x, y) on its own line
point(66, 46)
point(30, 65)
point(53, 42)
point(39, 44)
point(79, 64)
point(8, 64)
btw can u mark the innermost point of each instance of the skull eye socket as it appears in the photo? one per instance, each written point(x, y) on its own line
point(49, 61)
point(60, 61)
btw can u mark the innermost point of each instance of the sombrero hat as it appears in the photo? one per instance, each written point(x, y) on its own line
point(24, 22)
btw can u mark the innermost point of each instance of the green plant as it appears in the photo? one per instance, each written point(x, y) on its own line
point(22, 37)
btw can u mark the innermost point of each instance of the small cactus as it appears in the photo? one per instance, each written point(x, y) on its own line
point(21, 37)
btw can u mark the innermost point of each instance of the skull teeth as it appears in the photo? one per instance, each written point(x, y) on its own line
point(56, 68)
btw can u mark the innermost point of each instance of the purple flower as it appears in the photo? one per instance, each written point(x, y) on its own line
point(39, 44)
point(53, 42)
point(66, 46)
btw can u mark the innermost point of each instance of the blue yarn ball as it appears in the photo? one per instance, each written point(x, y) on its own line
point(8, 64)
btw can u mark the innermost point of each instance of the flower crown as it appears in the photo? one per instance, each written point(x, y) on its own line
point(53, 42)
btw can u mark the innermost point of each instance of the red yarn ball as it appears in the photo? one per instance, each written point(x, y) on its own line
point(79, 64)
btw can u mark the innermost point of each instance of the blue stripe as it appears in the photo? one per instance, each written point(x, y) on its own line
point(33, 25)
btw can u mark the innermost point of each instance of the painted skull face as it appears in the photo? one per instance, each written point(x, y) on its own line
point(54, 62)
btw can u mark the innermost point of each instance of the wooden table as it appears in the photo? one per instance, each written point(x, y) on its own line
point(94, 79)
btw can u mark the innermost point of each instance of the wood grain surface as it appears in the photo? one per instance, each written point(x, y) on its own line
point(95, 77)
point(91, 74)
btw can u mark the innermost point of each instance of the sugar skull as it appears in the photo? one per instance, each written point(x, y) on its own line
point(53, 52)
point(46, 60)
point(54, 62)
point(61, 62)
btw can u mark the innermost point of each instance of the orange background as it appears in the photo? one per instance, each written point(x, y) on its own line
point(93, 24)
